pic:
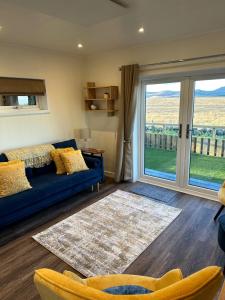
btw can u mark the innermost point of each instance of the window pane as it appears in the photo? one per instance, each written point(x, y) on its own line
point(17, 100)
point(207, 165)
point(161, 129)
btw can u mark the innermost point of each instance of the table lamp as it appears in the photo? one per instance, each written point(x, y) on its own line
point(85, 134)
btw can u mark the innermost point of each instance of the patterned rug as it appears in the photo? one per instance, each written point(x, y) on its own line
point(107, 236)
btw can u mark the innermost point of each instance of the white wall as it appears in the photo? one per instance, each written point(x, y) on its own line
point(103, 69)
point(63, 75)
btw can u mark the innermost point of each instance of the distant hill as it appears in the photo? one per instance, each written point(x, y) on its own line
point(198, 93)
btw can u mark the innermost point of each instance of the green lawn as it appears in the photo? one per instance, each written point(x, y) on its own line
point(202, 166)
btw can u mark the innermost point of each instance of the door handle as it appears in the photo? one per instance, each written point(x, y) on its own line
point(180, 131)
point(188, 130)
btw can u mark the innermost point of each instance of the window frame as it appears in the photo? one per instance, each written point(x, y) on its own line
point(190, 76)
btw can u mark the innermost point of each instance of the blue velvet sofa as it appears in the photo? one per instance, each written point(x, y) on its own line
point(48, 188)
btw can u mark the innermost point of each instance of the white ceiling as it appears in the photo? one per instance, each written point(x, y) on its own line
point(101, 24)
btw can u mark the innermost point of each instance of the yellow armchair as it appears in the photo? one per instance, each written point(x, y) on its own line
point(204, 284)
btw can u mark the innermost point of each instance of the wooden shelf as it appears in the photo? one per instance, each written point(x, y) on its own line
point(99, 99)
point(95, 96)
point(101, 87)
point(107, 110)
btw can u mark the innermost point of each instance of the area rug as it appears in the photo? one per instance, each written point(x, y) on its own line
point(107, 236)
point(156, 192)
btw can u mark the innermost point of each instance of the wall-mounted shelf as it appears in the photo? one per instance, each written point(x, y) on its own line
point(103, 97)
point(101, 87)
point(98, 99)
point(108, 110)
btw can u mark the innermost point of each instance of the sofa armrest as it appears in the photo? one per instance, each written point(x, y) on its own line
point(95, 162)
point(92, 162)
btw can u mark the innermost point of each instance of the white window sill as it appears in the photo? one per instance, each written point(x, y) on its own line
point(23, 113)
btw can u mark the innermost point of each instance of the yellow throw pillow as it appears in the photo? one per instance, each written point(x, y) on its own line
point(55, 155)
point(73, 162)
point(13, 178)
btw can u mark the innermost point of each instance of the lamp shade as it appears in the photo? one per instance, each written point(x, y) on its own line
point(85, 133)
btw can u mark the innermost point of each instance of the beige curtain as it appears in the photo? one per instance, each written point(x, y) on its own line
point(124, 161)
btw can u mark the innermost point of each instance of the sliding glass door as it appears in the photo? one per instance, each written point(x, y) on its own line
point(183, 132)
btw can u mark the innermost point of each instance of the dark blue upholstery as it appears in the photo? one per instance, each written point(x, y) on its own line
point(42, 204)
point(3, 158)
point(127, 290)
point(66, 144)
point(97, 159)
point(29, 173)
point(221, 233)
point(44, 170)
point(48, 188)
point(92, 162)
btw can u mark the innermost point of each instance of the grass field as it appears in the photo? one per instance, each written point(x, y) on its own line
point(207, 110)
point(202, 166)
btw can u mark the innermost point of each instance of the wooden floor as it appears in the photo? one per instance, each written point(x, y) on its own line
point(189, 243)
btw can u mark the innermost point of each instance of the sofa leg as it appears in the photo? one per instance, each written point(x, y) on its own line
point(219, 212)
point(98, 187)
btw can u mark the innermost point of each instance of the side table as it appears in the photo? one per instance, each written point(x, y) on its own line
point(93, 151)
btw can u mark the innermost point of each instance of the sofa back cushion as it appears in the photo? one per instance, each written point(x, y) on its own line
point(44, 170)
point(33, 172)
point(52, 168)
point(66, 144)
point(3, 158)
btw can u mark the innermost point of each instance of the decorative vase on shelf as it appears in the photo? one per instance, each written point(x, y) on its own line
point(106, 96)
point(93, 107)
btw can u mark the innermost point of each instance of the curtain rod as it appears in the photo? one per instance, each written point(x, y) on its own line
point(182, 60)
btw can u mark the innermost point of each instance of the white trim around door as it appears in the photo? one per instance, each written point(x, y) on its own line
point(184, 144)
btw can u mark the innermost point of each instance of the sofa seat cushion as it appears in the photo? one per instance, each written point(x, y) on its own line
point(43, 187)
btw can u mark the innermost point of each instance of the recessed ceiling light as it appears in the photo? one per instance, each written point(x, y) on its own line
point(141, 29)
point(79, 45)
point(1, 27)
